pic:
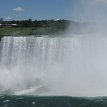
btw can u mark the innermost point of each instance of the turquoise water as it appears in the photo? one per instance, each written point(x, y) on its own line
point(49, 101)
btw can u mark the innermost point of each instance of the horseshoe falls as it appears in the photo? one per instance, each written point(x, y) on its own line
point(32, 67)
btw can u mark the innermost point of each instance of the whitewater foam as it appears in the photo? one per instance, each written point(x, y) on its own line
point(73, 65)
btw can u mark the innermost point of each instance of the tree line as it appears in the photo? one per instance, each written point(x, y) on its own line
point(52, 26)
point(55, 25)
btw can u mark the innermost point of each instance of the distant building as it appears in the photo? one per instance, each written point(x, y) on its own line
point(8, 25)
point(1, 19)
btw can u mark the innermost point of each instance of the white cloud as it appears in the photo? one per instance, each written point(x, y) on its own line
point(8, 18)
point(18, 9)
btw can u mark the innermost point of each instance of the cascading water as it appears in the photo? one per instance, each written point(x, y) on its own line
point(73, 65)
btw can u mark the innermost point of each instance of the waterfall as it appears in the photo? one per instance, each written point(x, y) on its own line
point(73, 65)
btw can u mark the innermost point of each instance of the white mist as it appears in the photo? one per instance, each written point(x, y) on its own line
point(74, 66)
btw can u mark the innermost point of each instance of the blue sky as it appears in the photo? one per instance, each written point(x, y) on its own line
point(78, 10)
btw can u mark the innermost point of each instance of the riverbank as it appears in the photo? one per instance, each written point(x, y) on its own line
point(17, 31)
point(36, 27)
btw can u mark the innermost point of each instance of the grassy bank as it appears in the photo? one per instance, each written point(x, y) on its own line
point(33, 27)
point(17, 31)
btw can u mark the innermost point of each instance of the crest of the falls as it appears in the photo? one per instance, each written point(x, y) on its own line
point(74, 65)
